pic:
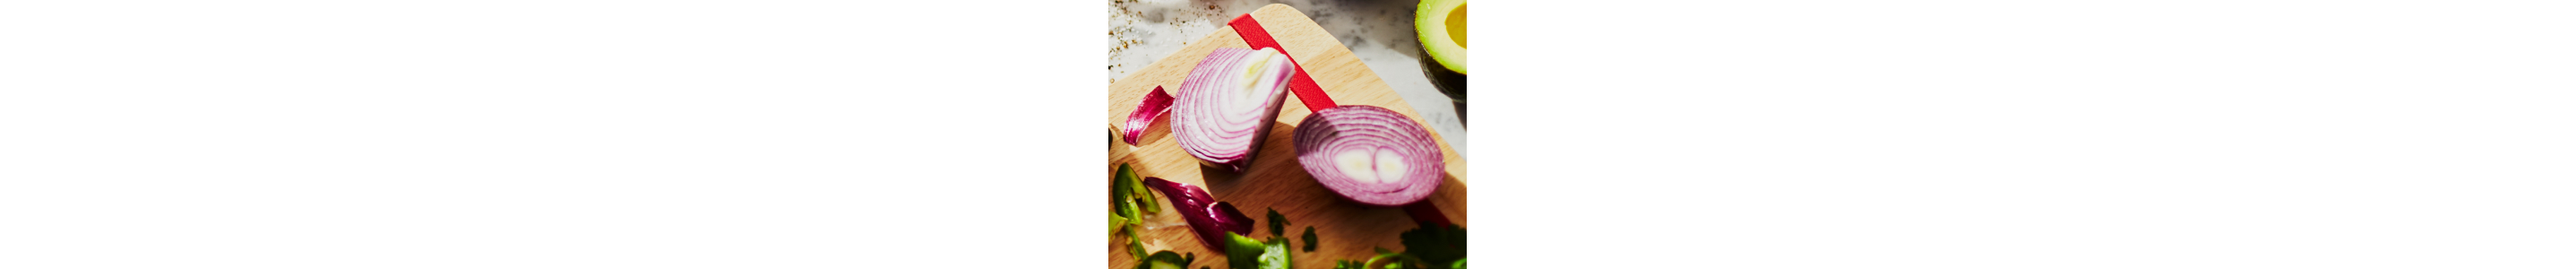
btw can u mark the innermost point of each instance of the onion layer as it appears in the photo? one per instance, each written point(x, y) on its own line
point(1228, 103)
point(1370, 155)
point(1154, 104)
point(1209, 218)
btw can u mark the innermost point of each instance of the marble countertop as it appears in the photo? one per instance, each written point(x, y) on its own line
point(1379, 32)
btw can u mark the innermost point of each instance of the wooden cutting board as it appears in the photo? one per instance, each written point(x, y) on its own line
point(1346, 230)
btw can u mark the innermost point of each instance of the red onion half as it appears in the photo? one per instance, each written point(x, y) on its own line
point(1228, 102)
point(1370, 155)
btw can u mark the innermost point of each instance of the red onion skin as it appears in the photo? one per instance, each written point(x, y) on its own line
point(1209, 218)
point(1358, 127)
point(1146, 110)
point(1208, 124)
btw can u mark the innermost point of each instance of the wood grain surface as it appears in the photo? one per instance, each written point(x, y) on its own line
point(1346, 230)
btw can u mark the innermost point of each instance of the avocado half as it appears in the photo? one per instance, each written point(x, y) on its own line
point(1441, 25)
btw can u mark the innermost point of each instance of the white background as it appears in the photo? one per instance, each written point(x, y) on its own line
point(2027, 134)
point(780, 134)
point(546, 134)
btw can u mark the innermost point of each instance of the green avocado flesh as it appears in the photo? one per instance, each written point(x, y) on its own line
point(1442, 27)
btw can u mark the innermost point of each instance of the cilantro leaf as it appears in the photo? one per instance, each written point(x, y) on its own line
point(1439, 245)
point(1278, 224)
point(1310, 238)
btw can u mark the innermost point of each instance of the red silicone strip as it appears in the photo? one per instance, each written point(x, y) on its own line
point(1304, 86)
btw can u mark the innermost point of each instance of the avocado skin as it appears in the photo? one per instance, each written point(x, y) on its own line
point(1449, 82)
point(1443, 78)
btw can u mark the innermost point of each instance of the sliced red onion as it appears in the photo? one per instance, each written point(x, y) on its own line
point(1153, 105)
point(1369, 154)
point(1209, 218)
point(1228, 102)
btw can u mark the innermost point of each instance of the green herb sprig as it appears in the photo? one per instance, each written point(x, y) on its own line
point(1429, 246)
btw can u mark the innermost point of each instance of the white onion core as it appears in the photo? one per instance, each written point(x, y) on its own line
point(1389, 165)
point(1355, 164)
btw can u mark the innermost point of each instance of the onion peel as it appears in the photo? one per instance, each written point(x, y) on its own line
point(1211, 219)
point(1153, 106)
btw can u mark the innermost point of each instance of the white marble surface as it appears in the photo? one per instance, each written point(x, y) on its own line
point(1380, 32)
